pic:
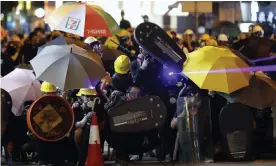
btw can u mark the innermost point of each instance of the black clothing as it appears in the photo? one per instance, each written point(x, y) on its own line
point(7, 65)
point(121, 82)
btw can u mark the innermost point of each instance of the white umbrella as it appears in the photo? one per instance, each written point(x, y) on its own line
point(22, 86)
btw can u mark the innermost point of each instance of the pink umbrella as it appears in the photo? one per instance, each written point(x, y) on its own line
point(22, 86)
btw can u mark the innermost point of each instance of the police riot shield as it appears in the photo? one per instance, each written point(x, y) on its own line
point(194, 129)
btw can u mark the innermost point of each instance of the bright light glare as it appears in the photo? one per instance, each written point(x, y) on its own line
point(59, 3)
point(244, 27)
point(17, 12)
point(170, 73)
point(39, 12)
point(91, 87)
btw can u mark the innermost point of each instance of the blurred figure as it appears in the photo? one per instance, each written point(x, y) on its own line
point(145, 18)
point(13, 50)
point(211, 42)
point(203, 39)
point(223, 40)
point(250, 30)
point(242, 36)
point(258, 31)
point(124, 24)
point(174, 37)
point(122, 79)
point(95, 45)
point(188, 42)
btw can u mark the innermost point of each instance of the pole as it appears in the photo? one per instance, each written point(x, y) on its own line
point(196, 18)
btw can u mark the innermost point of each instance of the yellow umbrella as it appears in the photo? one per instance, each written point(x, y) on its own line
point(208, 68)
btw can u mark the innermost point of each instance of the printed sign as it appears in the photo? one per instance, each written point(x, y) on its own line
point(72, 23)
point(96, 31)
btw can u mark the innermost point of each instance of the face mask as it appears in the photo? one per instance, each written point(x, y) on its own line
point(86, 102)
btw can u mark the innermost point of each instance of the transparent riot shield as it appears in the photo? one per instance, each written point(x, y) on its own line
point(194, 130)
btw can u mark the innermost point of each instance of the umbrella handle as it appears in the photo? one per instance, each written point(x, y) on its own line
point(94, 102)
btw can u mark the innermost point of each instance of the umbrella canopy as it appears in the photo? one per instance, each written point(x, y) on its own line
point(67, 41)
point(254, 47)
point(261, 92)
point(111, 54)
point(208, 68)
point(22, 86)
point(61, 40)
point(82, 20)
point(226, 27)
point(68, 67)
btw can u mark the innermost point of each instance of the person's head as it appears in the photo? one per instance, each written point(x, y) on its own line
point(48, 88)
point(94, 44)
point(124, 24)
point(145, 18)
point(258, 31)
point(204, 38)
point(86, 95)
point(188, 35)
point(13, 45)
point(122, 64)
point(134, 92)
point(222, 40)
point(250, 29)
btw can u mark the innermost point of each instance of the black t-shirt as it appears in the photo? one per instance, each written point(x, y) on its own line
point(7, 65)
point(121, 82)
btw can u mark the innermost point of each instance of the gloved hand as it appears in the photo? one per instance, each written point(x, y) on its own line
point(146, 62)
point(81, 124)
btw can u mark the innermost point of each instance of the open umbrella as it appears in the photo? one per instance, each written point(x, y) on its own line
point(82, 20)
point(261, 92)
point(208, 68)
point(67, 41)
point(22, 86)
point(254, 47)
point(68, 67)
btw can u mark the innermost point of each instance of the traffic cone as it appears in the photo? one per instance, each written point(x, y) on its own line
point(94, 155)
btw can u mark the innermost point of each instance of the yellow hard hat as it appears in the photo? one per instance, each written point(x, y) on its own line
point(48, 87)
point(205, 36)
point(122, 64)
point(211, 42)
point(87, 92)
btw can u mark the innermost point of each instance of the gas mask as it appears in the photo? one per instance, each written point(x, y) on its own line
point(86, 102)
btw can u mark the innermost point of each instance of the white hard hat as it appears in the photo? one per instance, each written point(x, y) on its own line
point(189, 32)
point(90, 39)
point(223, 37)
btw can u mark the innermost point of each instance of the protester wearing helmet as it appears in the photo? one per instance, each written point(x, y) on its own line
point(95, 45)
point(121, 80)
point(203, 39)
point(48, 88)
point(188, 42)
point(83, 112)
point(223, 40)
point(258, 31)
